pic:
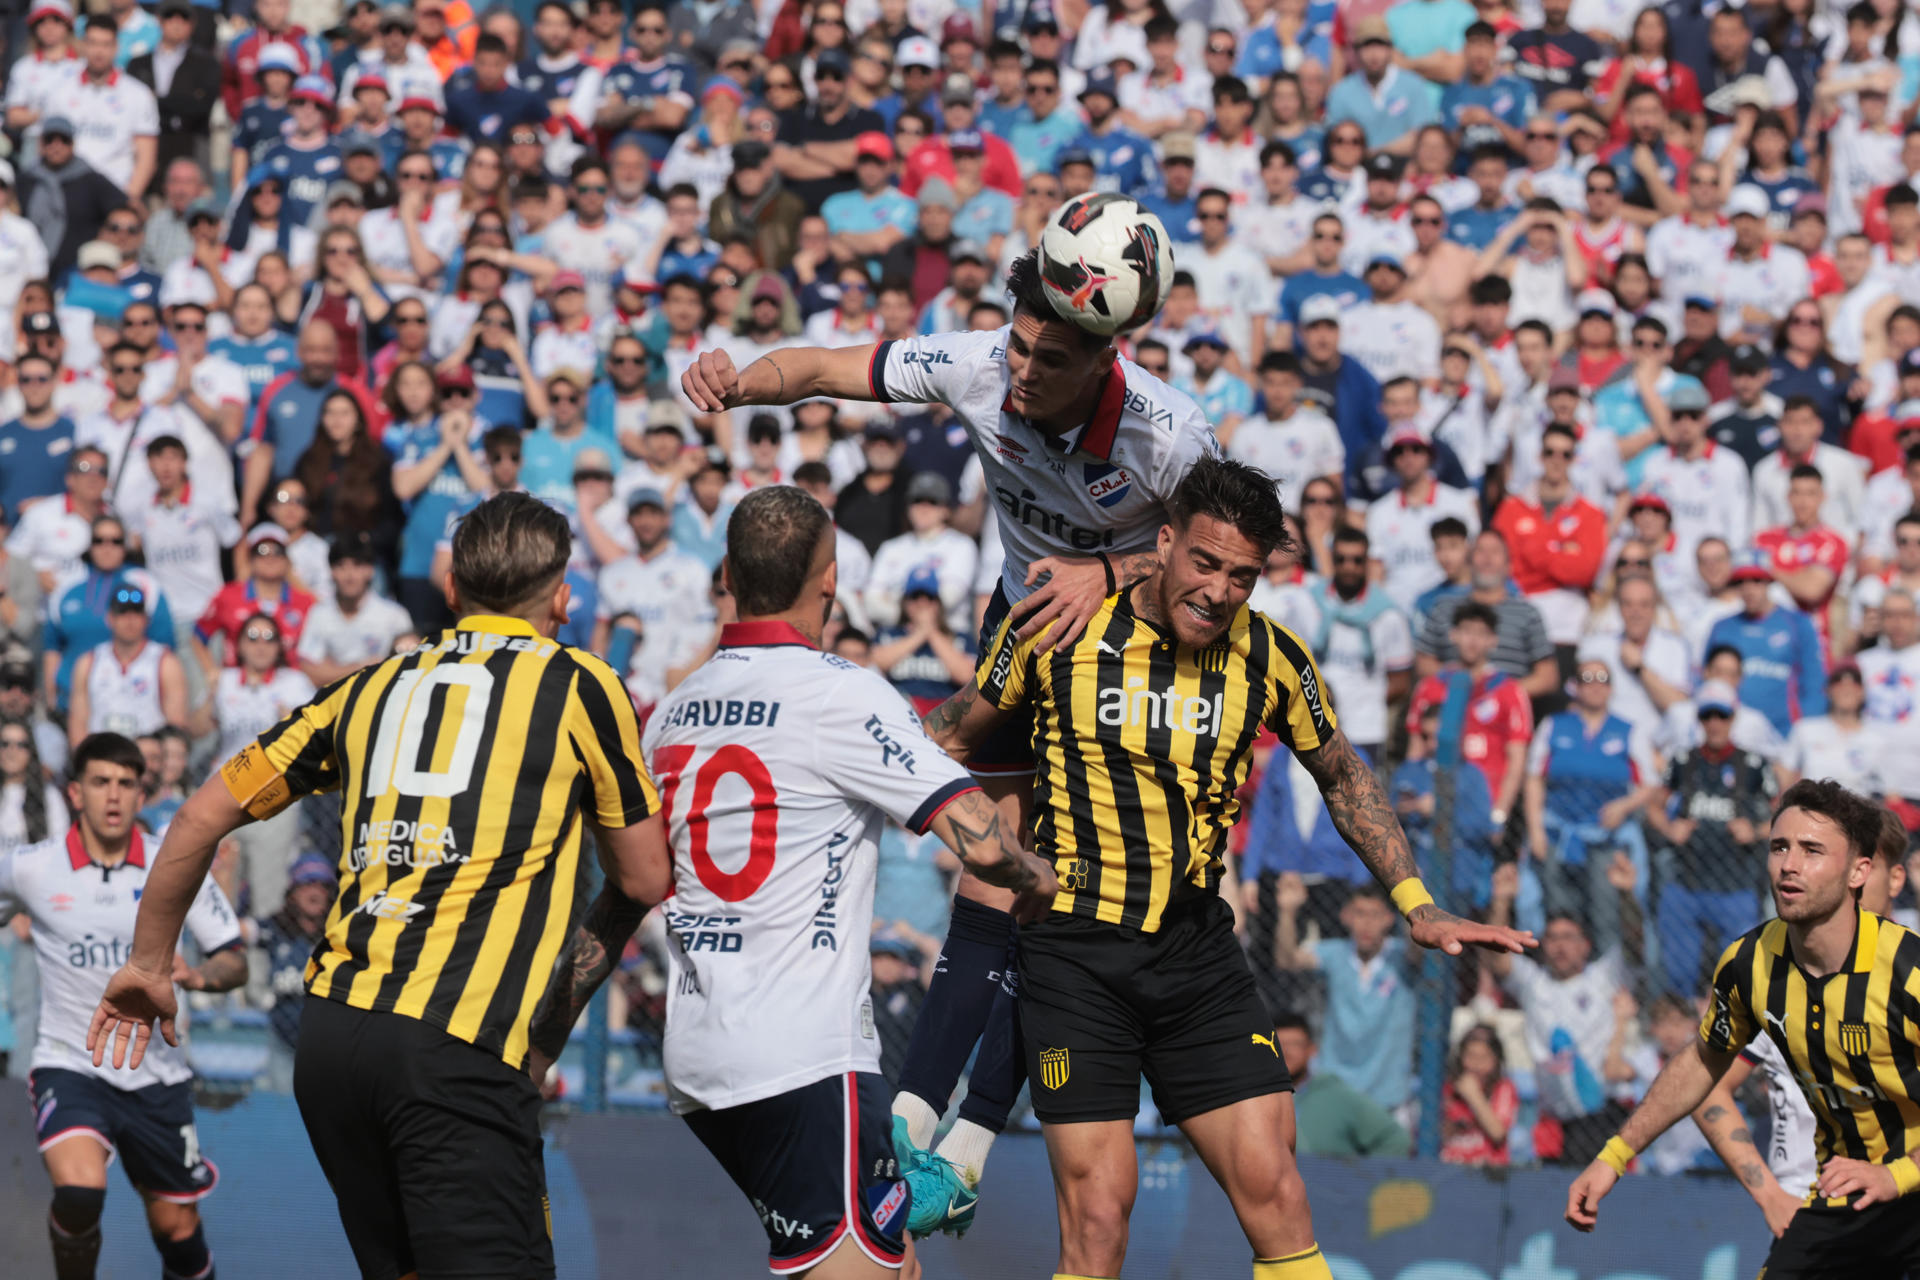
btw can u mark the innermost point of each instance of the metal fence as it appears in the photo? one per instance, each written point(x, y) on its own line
point(1308, 925)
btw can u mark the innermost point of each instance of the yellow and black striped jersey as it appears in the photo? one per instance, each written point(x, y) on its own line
point(1851, 1040)
point(467, 768)
point(1140, 744)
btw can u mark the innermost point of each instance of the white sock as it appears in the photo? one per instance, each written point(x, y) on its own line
point(966, 1145)
point(921, 1119)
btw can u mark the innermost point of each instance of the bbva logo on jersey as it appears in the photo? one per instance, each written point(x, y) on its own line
point(1108, 483)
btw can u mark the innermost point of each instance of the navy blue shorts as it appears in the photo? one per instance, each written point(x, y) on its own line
point(149, 1130)
point(817, 1162)
point(1007, 752)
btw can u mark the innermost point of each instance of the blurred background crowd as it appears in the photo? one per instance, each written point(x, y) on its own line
point(1583, 337)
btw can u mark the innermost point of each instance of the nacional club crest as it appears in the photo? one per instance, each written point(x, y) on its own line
point(1054, 1068)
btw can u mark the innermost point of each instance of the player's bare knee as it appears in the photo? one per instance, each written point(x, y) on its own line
point(168, 1220)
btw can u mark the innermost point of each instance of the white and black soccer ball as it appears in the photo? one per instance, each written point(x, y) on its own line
point(1105, 262)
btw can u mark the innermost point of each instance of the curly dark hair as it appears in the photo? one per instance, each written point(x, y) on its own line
point(1855, 815)
point(1234, 493)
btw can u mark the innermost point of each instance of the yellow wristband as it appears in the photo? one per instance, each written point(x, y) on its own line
point(1616, 1155)
point(1906, 1174)
point(1410, 893)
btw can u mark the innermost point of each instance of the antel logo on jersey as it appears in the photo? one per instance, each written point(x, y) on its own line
point(1136, 704)
point(1107, 483)
point(384, 906)
point(89, 952)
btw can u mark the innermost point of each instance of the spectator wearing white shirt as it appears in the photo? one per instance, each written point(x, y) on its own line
point(1841, 473)
point(1364, 642)
point(1891, 673)
point(1292, 442)
point(1704, 485)
point(1400, 525)
point(931, 544)
point(1227, 156)
point(1751, 730)
point(1378, 226)
point(1389, 335)
point(1649, 664)
point(358, 625)
point(1235, 290)
point(1279, 226)
point(1843, 744)
point(116, 117)
point(180, 533)
point(1757, 280)
point(1685, 249)
point(53, 533)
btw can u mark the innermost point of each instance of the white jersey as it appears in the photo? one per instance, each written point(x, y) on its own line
point(1771, 282)
point(778, 765)
point(1818, 748)
point(366, 635)
point(107, 117)
point(125, 697)
point(599, 254)
point(82, 915)
point(51, 536)
point(1892, 677)
point(1843, 474)
point(670, 594)
point(247, 707)
point(1293, 450)
point(1686, 258)
point(33, 82)
point(951, 556)
point(1709, 495)
point(182, 543)
point(1392, 340)
point(1402, 539)
point(1790, 1149)
point(1101, 488)
point(385, 239)
point(1277, 230)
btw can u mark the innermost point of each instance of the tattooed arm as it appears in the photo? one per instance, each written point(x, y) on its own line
point(222, 971)
point(1726, 1132)
point(1362, 814)
point(962, 722)
point(970, 826)
point(639, 869)
point(592, 952)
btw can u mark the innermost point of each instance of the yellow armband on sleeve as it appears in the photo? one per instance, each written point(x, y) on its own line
point(1616, 1155)
point(1410, 893)
point(1906, 1175)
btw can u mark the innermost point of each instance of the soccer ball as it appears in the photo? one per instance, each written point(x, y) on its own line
point(1104, 262)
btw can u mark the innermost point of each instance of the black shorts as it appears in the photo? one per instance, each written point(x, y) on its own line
point(432, 1146)
point(1880, 1242)
point(817, 1162)
point(150, 1130)
point(1007, 751)
point(1102, 1004)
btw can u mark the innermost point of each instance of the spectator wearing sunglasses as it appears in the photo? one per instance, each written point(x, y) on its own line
point(550, 452)
point(77, 611)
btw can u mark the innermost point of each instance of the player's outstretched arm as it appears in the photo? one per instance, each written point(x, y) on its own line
point(142, 991)
point(1682, 1085)
point(780, 377)
point(1726, 1132)
point(971, 827)
point(1364, 817)
point(639, 868)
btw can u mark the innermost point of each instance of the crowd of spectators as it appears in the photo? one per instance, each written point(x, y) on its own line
point(1583, 339)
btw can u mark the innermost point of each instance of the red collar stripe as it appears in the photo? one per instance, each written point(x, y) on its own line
point(767, 634)
point(78, 856)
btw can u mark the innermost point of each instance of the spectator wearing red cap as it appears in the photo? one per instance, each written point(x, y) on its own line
point(960, 113)
point(870, 220)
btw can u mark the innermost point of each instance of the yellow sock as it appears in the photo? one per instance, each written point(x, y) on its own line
point(1061, 1275)
point(1308, 1264)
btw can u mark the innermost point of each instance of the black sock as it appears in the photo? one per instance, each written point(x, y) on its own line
point(74, 1228)
point(187, 1259)
point(999, 1069)
point(966, 983)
